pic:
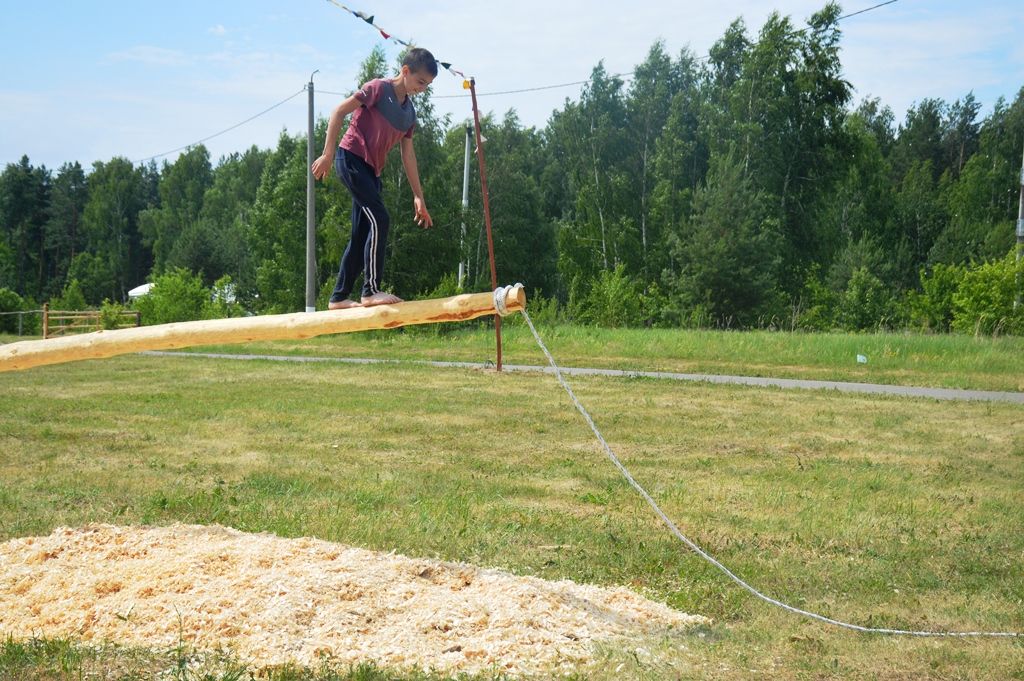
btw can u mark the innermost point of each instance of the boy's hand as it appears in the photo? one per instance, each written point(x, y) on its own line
point(422, 216)
point(321, 167)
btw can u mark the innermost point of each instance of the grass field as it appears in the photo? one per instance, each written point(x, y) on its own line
point(883, 511)
point(944, 361)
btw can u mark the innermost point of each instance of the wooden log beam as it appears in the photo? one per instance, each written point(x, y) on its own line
point(100, 344)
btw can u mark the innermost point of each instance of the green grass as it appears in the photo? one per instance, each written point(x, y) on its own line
point(64, 660)
point(883, 511)
point(942, 361)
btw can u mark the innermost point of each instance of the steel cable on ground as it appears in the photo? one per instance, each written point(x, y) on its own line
point(709, 558)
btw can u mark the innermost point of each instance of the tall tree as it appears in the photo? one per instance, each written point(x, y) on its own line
point(727, 256)
point(682, 154)
point(919, 139)
point(857, 212)
point(1002, 141)
point(815, 158)
point(524, 241)
point(961, 131)
point(589, 139)
point(880, 121)
point(918, 212)
point(277, 221)
point(648, 104)
point(183, 185)
point(215, 244)
point(782, 111)
point(114, 256)
point(24, 200)
point(977, 229)
point(64, 236)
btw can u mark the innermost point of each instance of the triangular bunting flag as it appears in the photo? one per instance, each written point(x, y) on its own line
point(388, 36)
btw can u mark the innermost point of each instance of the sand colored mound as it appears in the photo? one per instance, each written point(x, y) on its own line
point(272, 600)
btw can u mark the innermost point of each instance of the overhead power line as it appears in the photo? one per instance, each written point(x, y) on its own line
point(866, 9)
point(502, 92)
point(225, 130)
point(534, 89)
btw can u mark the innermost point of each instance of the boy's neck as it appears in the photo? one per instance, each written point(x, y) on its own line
point(400, 90)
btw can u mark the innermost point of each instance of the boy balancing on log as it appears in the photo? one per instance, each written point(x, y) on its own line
point(383, 116)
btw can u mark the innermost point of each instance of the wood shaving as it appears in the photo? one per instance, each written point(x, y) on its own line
point(273, 601)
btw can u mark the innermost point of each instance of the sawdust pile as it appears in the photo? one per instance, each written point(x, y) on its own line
point(270, 601)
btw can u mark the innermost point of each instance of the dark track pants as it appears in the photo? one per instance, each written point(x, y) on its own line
point(370, 222)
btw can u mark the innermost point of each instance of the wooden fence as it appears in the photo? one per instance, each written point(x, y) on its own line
point(63, 323)
point(21, 319)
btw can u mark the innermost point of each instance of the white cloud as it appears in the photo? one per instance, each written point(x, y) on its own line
point(914, 54)
point(217, 30)
point(151, 55)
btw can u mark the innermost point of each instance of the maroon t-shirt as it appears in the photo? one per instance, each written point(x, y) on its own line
point(379, 123)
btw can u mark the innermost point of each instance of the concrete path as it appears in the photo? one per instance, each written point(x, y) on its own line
point(873, 388)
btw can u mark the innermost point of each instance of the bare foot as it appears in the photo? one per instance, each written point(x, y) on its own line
point(379, 299)
point(342, 304)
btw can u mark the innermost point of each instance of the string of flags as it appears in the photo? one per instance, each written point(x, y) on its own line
point(398, 41)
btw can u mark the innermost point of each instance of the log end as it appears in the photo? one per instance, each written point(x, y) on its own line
point(515, 298)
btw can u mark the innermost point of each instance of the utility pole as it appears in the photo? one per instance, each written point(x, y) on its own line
point(310, 208)
point(471, 86)
point(465, 208)
point(1020, 232)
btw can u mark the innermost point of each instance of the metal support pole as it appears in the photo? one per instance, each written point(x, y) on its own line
point(310, 208)
point(465, 207)
point(487, 213)
point(1020, 232)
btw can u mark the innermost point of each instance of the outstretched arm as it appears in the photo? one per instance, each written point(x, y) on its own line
point(322, 165)
point(419, 204)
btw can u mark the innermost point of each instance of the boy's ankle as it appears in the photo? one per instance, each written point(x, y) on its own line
point(380, 299)
point(342, 304)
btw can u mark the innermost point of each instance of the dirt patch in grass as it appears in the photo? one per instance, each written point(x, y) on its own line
point(274, 601)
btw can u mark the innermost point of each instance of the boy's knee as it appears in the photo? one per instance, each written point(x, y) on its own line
point(383, 219)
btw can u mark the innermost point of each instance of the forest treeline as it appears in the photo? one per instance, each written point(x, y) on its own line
point(740, 189)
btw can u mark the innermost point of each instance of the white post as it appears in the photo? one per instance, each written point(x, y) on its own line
point(310, 208)
point(1020, 231)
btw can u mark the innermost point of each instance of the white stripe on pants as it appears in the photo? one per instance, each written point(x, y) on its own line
point(371, 265)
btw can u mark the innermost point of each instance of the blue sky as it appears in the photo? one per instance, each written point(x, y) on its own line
point(87, 81)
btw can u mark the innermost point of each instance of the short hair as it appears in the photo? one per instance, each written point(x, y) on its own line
point(419, 59)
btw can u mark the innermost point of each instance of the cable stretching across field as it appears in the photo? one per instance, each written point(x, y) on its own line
point(703, 554)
